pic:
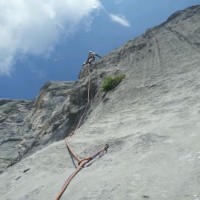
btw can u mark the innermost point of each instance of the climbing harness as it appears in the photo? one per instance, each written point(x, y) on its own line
point(81, 163)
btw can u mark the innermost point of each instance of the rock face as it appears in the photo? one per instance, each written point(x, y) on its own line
point(27, 126)
point(150, 121)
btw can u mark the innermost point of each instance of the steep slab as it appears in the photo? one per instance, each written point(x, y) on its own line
point(150, 121)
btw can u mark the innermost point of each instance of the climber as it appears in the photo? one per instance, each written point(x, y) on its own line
point(91, 57)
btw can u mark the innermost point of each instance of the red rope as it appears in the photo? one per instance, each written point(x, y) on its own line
point(80, 162)
point(81, 165)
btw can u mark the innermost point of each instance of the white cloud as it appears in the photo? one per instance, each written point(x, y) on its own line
point(118, 1)
point(120, 19)
point(34, 27)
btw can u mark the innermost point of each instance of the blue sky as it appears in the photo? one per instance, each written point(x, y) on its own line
point(49, 40)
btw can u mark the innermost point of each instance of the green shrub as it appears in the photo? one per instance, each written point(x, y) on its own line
point(111, 82)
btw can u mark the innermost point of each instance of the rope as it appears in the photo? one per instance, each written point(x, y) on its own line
point(80, 162)
point(71, 151)
point(81, 118)
point(81, 165)
point(89, 82)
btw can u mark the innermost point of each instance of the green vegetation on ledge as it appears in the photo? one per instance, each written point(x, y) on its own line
point(111, 82)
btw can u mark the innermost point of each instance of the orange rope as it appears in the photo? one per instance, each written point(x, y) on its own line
point(80, 162)
point(81, 165)
point(79, 123)
point(71, 151)
point(89, 82)
point(81, 118)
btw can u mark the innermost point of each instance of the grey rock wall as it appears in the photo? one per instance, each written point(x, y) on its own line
point(27, 126)
point(150, 121)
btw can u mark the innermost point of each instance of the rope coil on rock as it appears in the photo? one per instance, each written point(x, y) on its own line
point(80, 162)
